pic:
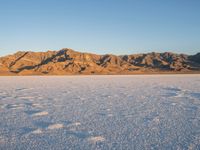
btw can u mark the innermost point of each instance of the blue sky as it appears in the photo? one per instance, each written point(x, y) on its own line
point(100, 26)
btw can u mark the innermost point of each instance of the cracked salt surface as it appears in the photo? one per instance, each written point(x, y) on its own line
point(43, 113)
point(55, 126)
point(100, 112)
point(96, 139)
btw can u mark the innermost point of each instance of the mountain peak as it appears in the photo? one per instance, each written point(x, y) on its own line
point(68, 61)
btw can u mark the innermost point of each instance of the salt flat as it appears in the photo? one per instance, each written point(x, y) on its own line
point(100, 112)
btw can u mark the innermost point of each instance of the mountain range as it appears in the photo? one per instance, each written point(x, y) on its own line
point(69, 62)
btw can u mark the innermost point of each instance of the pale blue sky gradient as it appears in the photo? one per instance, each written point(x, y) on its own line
point(100, 26)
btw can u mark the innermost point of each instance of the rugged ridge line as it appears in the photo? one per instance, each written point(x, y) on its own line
point(68, 61)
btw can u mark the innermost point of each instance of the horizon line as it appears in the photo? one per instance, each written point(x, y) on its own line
point(92, 52)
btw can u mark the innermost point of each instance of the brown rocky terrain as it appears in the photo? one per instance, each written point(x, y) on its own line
point(68, 61)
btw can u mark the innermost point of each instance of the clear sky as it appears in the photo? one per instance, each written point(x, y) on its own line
point(100, 26)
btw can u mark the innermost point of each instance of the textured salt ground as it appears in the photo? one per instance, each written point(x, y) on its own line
point(100, 112)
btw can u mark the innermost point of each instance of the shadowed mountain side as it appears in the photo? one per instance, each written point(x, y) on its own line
point(68, 61)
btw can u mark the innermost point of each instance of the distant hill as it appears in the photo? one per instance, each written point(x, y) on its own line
point(68, 61)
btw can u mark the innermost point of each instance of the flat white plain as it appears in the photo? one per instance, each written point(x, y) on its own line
point(100, 112)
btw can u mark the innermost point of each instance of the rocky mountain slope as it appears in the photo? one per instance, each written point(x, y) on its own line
point(68, 61)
